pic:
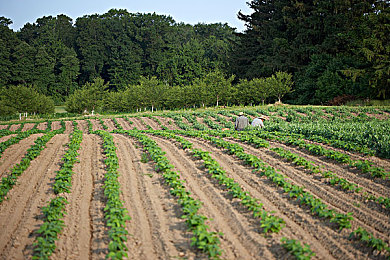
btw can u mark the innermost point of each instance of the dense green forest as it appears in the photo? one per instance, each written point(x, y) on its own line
point(308, 52)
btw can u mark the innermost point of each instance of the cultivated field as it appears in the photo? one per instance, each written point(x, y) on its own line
point(315, 183)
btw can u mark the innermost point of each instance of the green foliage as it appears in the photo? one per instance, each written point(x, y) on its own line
point(20, 99)
point(89, 98)
point(300, 252)
point(280, 84)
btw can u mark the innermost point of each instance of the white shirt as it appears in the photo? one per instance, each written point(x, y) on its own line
point(257, 122)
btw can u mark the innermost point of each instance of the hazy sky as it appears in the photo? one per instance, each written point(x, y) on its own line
point(192, 12)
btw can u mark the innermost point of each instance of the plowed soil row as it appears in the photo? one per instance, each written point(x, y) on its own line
point(85, 235)
point(337, 244)
point(156, 230)
point(20, 215)
point(14, 153)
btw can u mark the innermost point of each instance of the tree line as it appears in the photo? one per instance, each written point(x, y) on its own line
point(331, 48)
point(151, 93)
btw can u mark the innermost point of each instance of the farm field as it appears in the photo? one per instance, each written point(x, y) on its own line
point(314, 183)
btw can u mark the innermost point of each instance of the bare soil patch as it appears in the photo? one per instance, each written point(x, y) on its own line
point(14, 127)
point(33, 191)
point(125, 124)
point(42, 126)
point(83, 126)
point(151, 122)
point(157, 231)
point(110, 124)
point(14, 154)
point(85, 234)
point(168, 122)
point(337, 244)
point(28, 126)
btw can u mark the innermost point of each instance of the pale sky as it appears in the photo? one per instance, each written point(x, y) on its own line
point(192, 12)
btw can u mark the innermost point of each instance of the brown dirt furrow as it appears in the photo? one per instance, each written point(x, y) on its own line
point(300, 224)
point(68, 127)
point(3, 127)
point(56, 125)
point(14, 153)
point(96, 125)
point(241, 239)
point(168, 122)
point(84, 236)
point(379, 162)
point(28, 126)
point(109, 123)
point(137, 123)
point(5, 138)
point(156, 229)
point(151, 123)
point(125, 124)
point(215, 121)
point(33, 191)
point(99, 238)
point(376, 186)
point(335, 198)
point(42, 126)
point(14, 127)
point(200, 120)
point(83, 126)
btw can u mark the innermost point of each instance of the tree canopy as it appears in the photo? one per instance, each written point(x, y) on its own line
point(325, 48)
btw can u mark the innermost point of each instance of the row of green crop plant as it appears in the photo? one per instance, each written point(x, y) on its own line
point(16, 139)
point(268, 222)
point(365, 166)
point(203, 239)
point(20, 136)
point(10, 180)
point(54, 212)
point(114, 212)
point(316, 206)
point(374, 135)
point(332, 178)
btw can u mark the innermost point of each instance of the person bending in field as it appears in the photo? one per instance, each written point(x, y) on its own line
point(258, 122)
point(241, 122)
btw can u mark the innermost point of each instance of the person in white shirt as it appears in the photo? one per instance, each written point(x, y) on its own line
point(258, 122)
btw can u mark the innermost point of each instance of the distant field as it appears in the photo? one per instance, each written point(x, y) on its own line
point(59, 109)
point(194, 188)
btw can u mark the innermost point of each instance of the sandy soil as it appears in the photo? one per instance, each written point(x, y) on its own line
point(42, 126)
point(3, 127)
point(25, 201)
point(14, 153)
point(28, 126)
point(168, 122)
point(137, 123)
point(85, 235)
point(83, 126)
point(55, 125)
point(151, 122)
point(156, 230)
point(5, 138)
point(96, 125)
point(338, 245)
point(14, 127)
point(125, 124)
point(110, 124)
